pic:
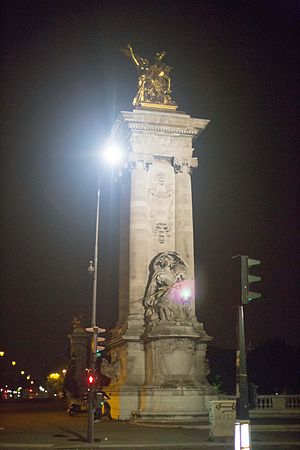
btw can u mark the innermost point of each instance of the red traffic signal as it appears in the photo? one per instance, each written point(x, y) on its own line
point(91, 379)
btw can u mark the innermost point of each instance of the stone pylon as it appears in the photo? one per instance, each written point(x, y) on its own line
point(79, 356)
point(158, 364)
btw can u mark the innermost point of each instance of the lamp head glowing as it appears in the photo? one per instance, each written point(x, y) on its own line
point(112, 152)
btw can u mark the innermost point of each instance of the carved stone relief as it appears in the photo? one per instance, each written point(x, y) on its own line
point(161, 140)
point(176, 362)
point(112, 370)
point(161, 199)
point(168, 293)
point(77, 321)
point(181, 164)
point(139, 161)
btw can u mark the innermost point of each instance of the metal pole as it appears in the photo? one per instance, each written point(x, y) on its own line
point(242, 436)
point(242, 380)
point(93, 346)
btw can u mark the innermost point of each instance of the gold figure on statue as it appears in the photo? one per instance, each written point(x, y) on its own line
point(154, 83)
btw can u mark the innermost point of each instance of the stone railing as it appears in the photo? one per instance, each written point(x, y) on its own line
point(277, 405)
point(274, 405)
point(278, 402)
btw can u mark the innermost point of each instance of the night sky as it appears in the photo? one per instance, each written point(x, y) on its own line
point(63, 83)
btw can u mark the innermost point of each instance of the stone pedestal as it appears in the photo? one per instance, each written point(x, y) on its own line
point(176, 387)
point(182, 404)
point(158, 348)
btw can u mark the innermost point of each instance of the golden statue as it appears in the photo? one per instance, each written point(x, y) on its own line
point(154, 83)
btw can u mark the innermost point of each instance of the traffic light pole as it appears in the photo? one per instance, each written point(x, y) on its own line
point(93, 344)
point(242, 437)
point(242, 401)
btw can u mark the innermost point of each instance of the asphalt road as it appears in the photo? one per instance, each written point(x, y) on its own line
point(45, 424)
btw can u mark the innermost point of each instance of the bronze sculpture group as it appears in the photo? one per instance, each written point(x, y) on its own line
point(154, 83)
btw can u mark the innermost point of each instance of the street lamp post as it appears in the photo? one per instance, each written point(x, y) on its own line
point(113, 154)
point(93, 269)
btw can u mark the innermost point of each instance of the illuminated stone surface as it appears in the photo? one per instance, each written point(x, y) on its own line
point(158, 349)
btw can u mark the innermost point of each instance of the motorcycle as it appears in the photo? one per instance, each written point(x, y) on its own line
point(76, 407)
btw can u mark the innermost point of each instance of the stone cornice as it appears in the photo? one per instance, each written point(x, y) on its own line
point(157, 122)
point(156, 129)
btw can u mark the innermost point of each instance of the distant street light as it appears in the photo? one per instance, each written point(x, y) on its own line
point(112, 154)
point(13, 363)
point(54, 376)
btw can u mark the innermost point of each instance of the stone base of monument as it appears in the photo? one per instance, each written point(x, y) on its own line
point(175, 405)
point(162, 376)
point(124, 402)
point(149, 404)
point(176, 388)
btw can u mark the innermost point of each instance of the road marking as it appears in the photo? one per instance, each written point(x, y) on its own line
point(13, 445)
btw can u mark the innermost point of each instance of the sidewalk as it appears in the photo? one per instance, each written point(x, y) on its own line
point(126, 435)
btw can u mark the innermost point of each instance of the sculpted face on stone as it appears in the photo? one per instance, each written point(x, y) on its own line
point(169, 292)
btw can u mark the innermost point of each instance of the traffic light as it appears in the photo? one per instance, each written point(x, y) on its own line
point(247, 278)
point(96, 348)
point(99, 347)
point(91, 379)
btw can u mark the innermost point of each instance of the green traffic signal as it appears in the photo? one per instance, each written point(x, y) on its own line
point(100, 347)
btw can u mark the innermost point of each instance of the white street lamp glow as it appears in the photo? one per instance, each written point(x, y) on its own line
point(112, 152)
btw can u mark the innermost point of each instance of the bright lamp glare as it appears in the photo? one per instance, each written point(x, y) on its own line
point(112, 153)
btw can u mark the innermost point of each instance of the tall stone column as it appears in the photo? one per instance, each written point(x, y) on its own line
point(184, 216)
point(158, 348)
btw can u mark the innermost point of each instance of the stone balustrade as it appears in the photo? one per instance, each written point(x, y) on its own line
point(274, 405)
point(277, 404)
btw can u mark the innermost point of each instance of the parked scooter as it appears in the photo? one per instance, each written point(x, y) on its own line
point(74, 409)
point(76, 406)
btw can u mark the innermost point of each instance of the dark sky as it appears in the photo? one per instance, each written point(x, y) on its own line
point(63, 83)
